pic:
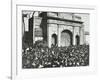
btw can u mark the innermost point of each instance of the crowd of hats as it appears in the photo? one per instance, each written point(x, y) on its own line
point(44, 57)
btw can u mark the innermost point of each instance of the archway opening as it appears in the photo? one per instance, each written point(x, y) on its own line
point(77, 40)
point(66, 38)
point(54, 39)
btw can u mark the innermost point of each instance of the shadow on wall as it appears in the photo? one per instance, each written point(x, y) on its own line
point(43, 25)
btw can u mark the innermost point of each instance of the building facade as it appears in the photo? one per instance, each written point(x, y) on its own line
point(61, 29)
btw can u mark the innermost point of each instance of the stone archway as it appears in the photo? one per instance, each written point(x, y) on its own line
point(54, 39)
point(66, 38)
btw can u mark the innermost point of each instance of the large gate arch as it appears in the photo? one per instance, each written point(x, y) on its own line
point(66, 38)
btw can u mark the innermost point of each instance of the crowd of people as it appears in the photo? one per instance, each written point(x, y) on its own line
point(45, 57)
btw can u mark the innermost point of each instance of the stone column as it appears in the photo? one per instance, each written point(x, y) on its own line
point(33, 29)
point(48, 36)
point(26, 24)
point(82, 36)
point(74, 40)
point(59, 35)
